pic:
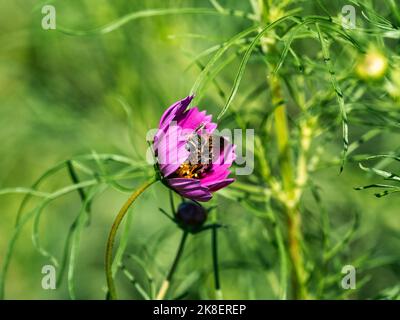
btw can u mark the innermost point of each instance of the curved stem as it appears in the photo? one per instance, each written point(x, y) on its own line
point(165, 285)
point(112, 294)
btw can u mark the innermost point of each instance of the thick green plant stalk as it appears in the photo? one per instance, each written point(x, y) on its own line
point(289, 187)
point(112, 293)
point(291, 193)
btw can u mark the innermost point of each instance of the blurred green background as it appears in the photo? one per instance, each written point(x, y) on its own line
point(60, 97)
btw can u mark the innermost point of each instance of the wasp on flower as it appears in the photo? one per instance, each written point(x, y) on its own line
point(191, 159)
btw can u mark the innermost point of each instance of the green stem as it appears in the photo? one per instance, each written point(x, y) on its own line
point(214, 244)
point(74, 177)
point(282, 252)
point(113, 232)
point(287, 171)
point(165, 285)
point(296, 257)
point(289, 186)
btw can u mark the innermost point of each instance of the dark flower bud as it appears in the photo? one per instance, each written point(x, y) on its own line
point(191, 214)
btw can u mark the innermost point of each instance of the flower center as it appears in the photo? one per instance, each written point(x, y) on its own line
point(186, 170)
point(200, 157)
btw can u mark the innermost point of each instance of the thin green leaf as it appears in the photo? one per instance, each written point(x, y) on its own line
point(345, 240)
point(385, 174)
point(339, 96)
point(76, 236)
point(244, 61)
point(148, 14)
point(197, 87)
point(133, 281)
point(24, 219)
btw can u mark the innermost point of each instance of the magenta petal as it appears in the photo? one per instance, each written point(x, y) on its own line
point(226, 154)
point(210, 127)
point(220, 184)
point(174, 111)
point(193, 119)
point(217, 173)
point(190, 188)
point(221, 164)
point(171, 150)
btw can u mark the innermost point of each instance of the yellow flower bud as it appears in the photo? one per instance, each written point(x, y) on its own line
point(372, 66)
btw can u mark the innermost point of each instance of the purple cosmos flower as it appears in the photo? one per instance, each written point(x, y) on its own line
point(191, 159)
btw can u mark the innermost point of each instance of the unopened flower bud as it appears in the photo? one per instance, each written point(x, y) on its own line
point(372, 66)
point(191, 214)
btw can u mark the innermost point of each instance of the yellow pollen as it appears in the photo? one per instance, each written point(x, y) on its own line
point(187, 170)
